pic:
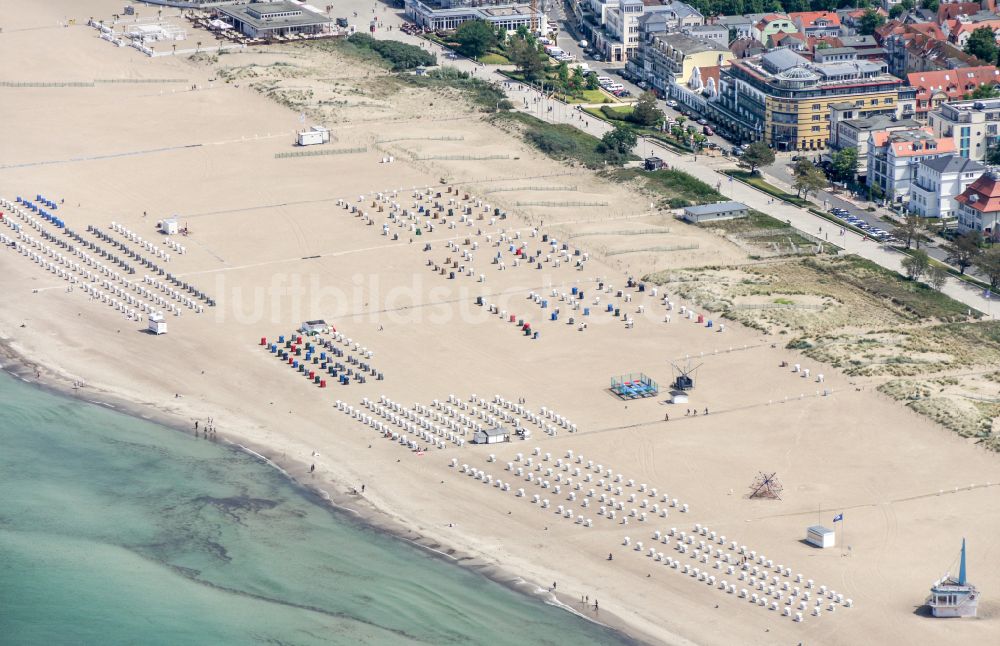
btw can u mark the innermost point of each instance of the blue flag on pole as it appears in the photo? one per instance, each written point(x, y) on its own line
point(838, 518)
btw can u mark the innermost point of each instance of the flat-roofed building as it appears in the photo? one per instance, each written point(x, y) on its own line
point(716, 211)
point(270, 19)
point(973, 125)
point(448, 15)
point(784, 99)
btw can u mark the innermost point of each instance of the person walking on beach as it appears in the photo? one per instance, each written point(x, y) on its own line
point(362, 488)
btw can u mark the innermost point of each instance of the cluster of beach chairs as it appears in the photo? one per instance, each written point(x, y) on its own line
point(316, 358)
point(74, 265)
point(758, 579)
point(415, 425)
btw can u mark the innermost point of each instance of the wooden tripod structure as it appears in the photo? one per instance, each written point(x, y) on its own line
point(766, 486)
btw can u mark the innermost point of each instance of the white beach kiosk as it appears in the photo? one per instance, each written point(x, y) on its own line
point(821, 537)
point(491, 436)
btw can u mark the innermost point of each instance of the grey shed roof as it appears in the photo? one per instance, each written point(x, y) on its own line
point(711, 209)
point(954, 164)
point(493, 432)
point(830, 51)
point(858, 41)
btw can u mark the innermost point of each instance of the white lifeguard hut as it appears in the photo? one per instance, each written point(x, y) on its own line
point(169, 226)
point(821, 537)
point(954, 597)
point(315, 135)
point(157, 323)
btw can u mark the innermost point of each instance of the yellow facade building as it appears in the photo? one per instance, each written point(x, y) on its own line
point(785, 99)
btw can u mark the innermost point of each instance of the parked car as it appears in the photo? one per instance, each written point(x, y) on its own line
point(703, 122)
point(707, 130)
point(671, 103)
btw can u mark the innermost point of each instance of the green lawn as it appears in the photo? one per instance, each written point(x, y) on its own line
point(757, 181)
point(494, 59)
point(559, 141)
point(676, 188)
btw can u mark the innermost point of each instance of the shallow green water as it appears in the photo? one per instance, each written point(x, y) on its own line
point(117, 531)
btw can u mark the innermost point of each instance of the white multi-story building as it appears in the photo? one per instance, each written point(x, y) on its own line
point(939, 181)
point(893, 158)
point(623, 25)
point(972, 124)
point(621, 37)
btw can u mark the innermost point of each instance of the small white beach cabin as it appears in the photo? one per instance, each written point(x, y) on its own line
point(318, 326)
point(821, 536)
point(169, 226)
point(313, 136)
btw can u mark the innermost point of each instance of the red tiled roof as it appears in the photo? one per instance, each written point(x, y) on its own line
point(955, 9)
point(858, 13)
point(809, 18)
point(832, 41)
point(987, 192)
point(896, 27)
point(963, 27)
point(954, 83)
point(710, 72)
point(905, 148)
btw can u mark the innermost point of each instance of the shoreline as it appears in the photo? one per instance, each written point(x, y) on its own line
point(370, 516)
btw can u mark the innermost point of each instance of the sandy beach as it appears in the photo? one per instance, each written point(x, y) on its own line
point(275, 241)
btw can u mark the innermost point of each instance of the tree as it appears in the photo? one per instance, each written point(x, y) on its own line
point(617, 144)
point(562, 71)
point(983, 45)
point(524, 53)
point(937, 277)
point(645, 113)
point(870, 21)
point(964, 250)
point(808, 178)
point(984, 92)
point(896, 11)
point(909, 230)
point(757, 155)
point(475, 38)
point(592, 82)
point(845, 164)
point(930, 5)
point(916, 264)
point(988, 262)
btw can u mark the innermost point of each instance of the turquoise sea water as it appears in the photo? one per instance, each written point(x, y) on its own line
point(117, 531)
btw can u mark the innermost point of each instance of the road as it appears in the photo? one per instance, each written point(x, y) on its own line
point(707, 169)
